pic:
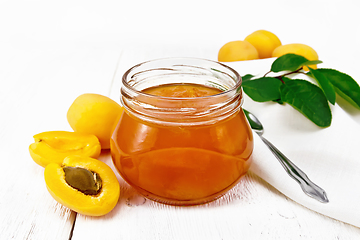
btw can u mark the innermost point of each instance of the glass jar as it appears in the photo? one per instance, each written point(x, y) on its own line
point(182, 148)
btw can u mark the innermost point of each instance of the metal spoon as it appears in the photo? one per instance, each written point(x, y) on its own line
point(310, 188)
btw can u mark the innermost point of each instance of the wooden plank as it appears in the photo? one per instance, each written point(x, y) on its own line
point(251, 210)
point(38, 86)
point(39, 82)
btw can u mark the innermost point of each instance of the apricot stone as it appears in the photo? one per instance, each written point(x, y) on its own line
point(297, 48)
point(76, 192)
point(54, 146)
point(264, 41)
point(237, 51)
point(94, 114)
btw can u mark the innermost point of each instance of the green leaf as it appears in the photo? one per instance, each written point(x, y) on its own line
point(308, 99)
point(325, 85)
point(291, 62)
point(344, 85)
point(263, 89)
point(247, 77)
point(313, 62)
point(286, 79)
point(278, 101)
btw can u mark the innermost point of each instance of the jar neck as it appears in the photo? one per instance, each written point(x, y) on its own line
point(181, 111)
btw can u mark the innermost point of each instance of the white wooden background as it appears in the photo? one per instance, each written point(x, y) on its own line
point(52, 52)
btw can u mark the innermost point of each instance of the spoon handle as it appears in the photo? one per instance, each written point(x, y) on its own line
point(310, 188)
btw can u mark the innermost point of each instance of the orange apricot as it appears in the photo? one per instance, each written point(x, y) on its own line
point(299, 49)
point(84, 185)
point(264, 41)
point(54, 146)
point(237, 51)
point(94, 114)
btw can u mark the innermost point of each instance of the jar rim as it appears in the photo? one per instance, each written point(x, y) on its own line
point(236, 77)
point(181, 110)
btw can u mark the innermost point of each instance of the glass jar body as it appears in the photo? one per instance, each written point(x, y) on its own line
point(181, 151)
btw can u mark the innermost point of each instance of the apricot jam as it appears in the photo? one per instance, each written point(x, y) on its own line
point(181, 141)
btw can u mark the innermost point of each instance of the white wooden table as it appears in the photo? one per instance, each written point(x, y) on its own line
point(51, 53)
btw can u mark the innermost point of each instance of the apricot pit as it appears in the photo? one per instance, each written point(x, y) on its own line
point(83, 184)
point(85, 181)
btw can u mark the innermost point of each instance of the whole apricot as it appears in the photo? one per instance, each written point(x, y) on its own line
point(85, 185)
point(299, 49)
point(264, 41)
point(54, 146)
point(94, 114)
point(237, 51)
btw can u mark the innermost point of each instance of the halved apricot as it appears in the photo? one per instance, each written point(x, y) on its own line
point(83, 184)
point(54, 146)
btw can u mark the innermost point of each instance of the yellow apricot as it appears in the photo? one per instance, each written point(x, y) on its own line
point(299, 49)
point(69, 182)
point(54, 146)
point(94, 114)
point(237, 51)
point(264, 41)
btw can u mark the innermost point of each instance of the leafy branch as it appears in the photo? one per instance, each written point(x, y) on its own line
point(306, 97)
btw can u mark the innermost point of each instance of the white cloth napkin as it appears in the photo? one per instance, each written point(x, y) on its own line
point(329, 156)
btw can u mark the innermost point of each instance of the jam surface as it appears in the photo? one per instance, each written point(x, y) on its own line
point(182, 165)
point(182, 90)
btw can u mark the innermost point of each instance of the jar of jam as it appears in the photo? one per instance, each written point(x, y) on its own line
point(183, 138)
